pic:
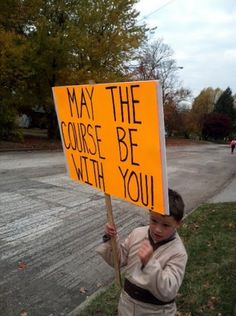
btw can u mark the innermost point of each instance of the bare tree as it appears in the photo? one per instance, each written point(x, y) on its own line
point(155, 61)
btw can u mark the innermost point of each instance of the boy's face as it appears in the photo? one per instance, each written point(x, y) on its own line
point(162, 226)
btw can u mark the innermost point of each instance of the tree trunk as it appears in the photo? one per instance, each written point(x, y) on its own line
point(53, 129)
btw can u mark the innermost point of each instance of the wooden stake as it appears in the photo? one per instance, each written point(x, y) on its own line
point(110, 220)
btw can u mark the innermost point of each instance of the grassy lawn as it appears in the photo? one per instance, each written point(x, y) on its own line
point(209, 287)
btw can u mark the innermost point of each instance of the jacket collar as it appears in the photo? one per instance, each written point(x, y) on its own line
point(157, 244)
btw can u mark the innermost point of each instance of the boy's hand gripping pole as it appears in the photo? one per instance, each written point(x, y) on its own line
point(110, 220)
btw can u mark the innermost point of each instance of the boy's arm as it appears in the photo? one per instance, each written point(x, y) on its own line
point(164, 283)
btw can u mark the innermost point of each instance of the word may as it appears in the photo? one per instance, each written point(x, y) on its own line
point(138, 187)
point(80, 102)
point(124, 109)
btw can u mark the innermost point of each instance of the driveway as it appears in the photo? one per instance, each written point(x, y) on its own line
point(50, 225)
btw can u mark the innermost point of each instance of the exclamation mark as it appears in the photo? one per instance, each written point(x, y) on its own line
point(152, 193)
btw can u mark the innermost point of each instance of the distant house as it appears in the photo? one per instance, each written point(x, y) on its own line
point(24, 121)
point(37, 118)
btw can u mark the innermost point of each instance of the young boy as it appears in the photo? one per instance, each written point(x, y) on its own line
point(155, 260)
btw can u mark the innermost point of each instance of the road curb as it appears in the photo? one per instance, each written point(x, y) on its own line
point(89, 299)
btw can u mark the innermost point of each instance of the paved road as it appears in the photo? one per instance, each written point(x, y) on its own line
point(50, 225)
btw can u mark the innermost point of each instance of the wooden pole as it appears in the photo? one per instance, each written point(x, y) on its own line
point(110, 220)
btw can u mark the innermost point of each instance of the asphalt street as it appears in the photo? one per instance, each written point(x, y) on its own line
point(51, 225)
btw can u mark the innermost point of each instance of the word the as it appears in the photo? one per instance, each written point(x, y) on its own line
point(124, 104)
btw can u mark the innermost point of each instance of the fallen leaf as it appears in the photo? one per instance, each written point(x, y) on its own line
point(211, 303)
point(206, 285)
point(22, 265)
point(83, 290)
point(23, 313)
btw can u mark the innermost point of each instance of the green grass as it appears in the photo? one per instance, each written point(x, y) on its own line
point(209, 286)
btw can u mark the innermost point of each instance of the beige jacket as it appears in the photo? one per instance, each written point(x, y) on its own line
point(162, 275)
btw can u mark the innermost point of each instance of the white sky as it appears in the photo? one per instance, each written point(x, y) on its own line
point(202, 34)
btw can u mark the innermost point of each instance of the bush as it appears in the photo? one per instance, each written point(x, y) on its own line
point(9, 129)
point(216, 126)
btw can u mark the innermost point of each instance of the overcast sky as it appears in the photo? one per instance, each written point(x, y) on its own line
point(202, 34)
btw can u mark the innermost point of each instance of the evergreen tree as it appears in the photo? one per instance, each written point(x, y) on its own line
point(225, 104)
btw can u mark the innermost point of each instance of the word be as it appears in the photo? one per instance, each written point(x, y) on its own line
point(126, 144)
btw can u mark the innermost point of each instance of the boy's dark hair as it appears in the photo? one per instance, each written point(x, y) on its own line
point(176, 205)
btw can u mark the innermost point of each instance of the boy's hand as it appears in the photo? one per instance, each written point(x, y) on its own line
point(110, 230)
point(145, 252)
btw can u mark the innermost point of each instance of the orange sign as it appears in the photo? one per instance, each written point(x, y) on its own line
point(113, 139)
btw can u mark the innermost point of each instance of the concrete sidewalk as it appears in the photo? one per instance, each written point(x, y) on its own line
point(228, 193)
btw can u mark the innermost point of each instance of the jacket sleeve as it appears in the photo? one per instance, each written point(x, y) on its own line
point(162, 282)
point(105, 251)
